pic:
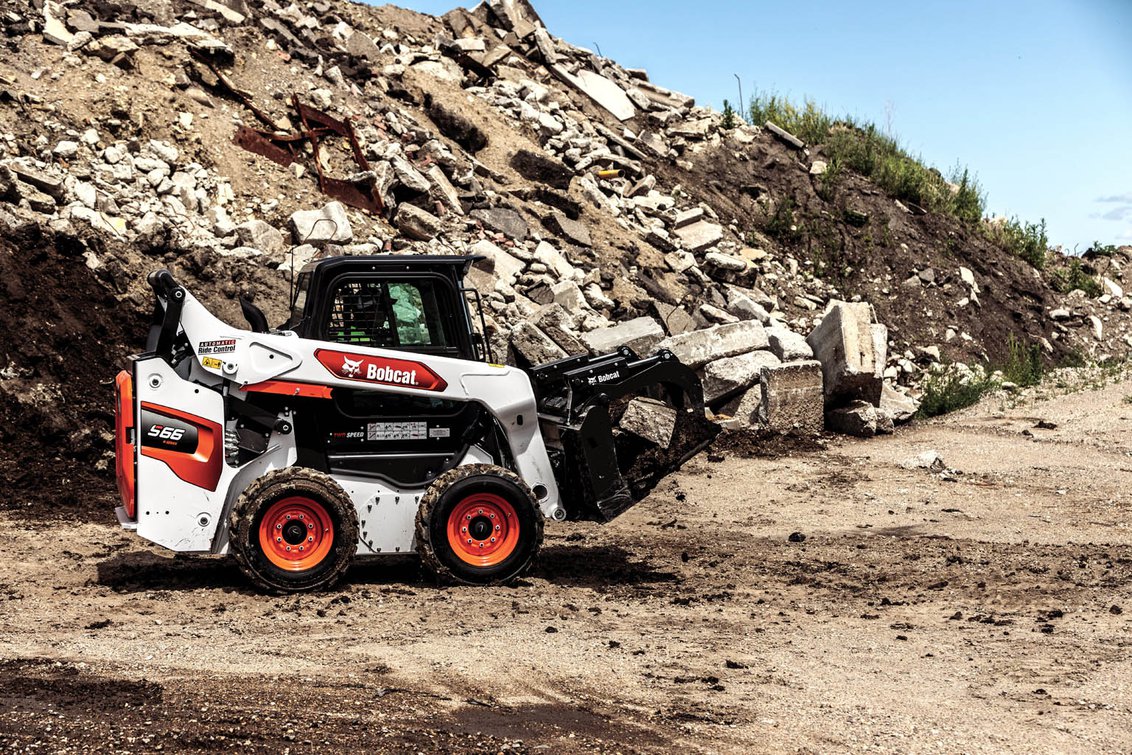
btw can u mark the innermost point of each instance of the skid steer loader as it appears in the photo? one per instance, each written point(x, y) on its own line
point(373, 422)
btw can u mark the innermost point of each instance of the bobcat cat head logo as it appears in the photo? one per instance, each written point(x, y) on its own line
point(351, 368)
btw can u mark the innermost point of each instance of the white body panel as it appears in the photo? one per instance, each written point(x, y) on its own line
point(182, 516)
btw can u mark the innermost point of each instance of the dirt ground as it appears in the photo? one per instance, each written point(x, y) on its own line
point(987, 608)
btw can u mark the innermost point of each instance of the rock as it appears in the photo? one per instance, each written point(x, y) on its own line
point(675, 319)
point(687, 217)
point(66, 149)
point(535, 167)
point(261, 235)
point(700, 235)
point(444, 191)
point(597, 298)
point(163, 150)
point(503, 220)
point(641, 334)
point(557, 324)
point(9, 189)
point(899, 407)
point(819, 168)
point(554, 259)
point(788, 345)
point(569, 230)
point(506, 267)
point(746, 308)
point(699, 347)
point(328, 225)
point(793, 398)
point(416, 223)
point(1114, 290)
point(743, 412)
point(679, 262)
point(929, 460)
point(649, 419)
point(785, 136)
point(409, 177)
point(715, 315)
point(1060, 314)
point(852, 352)
point(858, 418)
point(725, 262)
point(1097, 326)
point(533, 345)
point(50, 182)
point(967, 277)
point(569, 296)
point(724, 378)
point(599, 89)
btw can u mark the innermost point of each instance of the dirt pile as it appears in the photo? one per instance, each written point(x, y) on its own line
point(200, 134)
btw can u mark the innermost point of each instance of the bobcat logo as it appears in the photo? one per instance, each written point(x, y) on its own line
point(351, 368)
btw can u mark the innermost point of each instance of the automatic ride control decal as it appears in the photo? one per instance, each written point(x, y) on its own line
point(380, 370)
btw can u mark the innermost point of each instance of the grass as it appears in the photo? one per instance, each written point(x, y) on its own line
point(1073, 277)
point(950, 390)
point(1024, 364)
point(865, 149)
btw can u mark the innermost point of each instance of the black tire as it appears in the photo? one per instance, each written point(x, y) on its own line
point(495, 502)
point(310, 511)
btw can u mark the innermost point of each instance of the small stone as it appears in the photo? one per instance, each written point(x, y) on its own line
point(328, 225)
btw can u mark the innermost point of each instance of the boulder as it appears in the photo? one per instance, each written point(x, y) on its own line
point(699, 347)
point(852, 351)
point(700, 235)
point(899, 407)
point(858, 418)
point(416, 223)
point(506, 267)
point(724, 378)
point(641, 335)
point(259, 234)
point(503, 220)
point(788, 345)
point(649, 419)
point(793, 399)
point(556, 323)
point(328, 225)
point(742, 412)
point(534, 346)
point(569, 230)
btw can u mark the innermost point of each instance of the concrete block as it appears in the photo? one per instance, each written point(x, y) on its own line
point(649, 419)
point(699, 347)
point(852, 352)
point(724, 378)
point(641, 334)
point(328, 225)
point(553, 320)
point(793, 400)
point(788, 345)
point(536, 347)
point(858, 418)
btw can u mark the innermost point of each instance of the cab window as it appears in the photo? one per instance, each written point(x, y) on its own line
point(388, 314)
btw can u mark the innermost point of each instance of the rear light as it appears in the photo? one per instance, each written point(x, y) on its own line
point(124, 461)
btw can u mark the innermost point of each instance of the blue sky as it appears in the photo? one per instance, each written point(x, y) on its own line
point(1035, 96)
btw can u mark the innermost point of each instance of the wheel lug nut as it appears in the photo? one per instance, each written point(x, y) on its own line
point(288, 549)
point(469, 541)
point(310, 539)
point(497, 528)
point(493, 540)
point(278, 539)
point(310, 525)
point(279, 526)
point(464, 530)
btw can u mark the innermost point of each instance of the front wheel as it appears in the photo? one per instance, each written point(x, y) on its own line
point(293, 530)
point(478, 525)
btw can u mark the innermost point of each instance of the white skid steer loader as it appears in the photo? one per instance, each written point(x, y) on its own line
point(374, 423)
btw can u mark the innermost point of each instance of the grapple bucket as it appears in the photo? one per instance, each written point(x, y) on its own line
point(602, 471)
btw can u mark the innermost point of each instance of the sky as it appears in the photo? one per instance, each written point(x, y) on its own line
point(1034, 96)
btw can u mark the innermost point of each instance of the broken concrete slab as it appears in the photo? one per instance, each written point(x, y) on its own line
point(640, 334)
point(261, 235)
point(793, 398)
point(687, 217)
point(534, 346)
point(569, 296)
point(675, 319)
point(900, 407)
point(554, 259)
point(416, 223)
point(599, 89)
point(852, 352)
point(328, 225)
point(788, 345)
point(742, 412)
point(785, 135)
point(700, 235)
point(573, 231)
point(506, 267)
point(444, 191)
point(858, 418)
point(699, 347)
point(557, 323)
point(724, 378)
point(649, 419)
point(503, 220)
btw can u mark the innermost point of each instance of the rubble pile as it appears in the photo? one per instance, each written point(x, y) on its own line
point(252, 136)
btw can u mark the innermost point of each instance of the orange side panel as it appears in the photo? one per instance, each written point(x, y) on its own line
point(288, 388)
point(202, 467)
point(124, 429)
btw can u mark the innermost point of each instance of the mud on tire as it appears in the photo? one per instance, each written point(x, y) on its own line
point(478, 525)
point(293, 530)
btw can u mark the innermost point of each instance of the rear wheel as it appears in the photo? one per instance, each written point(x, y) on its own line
point(478, 524)
point(293, 530)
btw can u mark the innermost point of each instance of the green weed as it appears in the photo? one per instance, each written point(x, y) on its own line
point(1024, 365)
point(1025, 240)
point(949, 391)
point(1073, 277)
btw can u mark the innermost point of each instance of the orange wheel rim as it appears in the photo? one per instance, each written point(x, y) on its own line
point(296, 533)
point(483, 529)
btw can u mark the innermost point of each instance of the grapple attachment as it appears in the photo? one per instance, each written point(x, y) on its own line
point(601, 470)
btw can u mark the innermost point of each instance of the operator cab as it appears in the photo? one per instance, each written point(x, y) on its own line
point(399, 302)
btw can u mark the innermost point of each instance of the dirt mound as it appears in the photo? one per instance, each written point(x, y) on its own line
point(63, 334)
